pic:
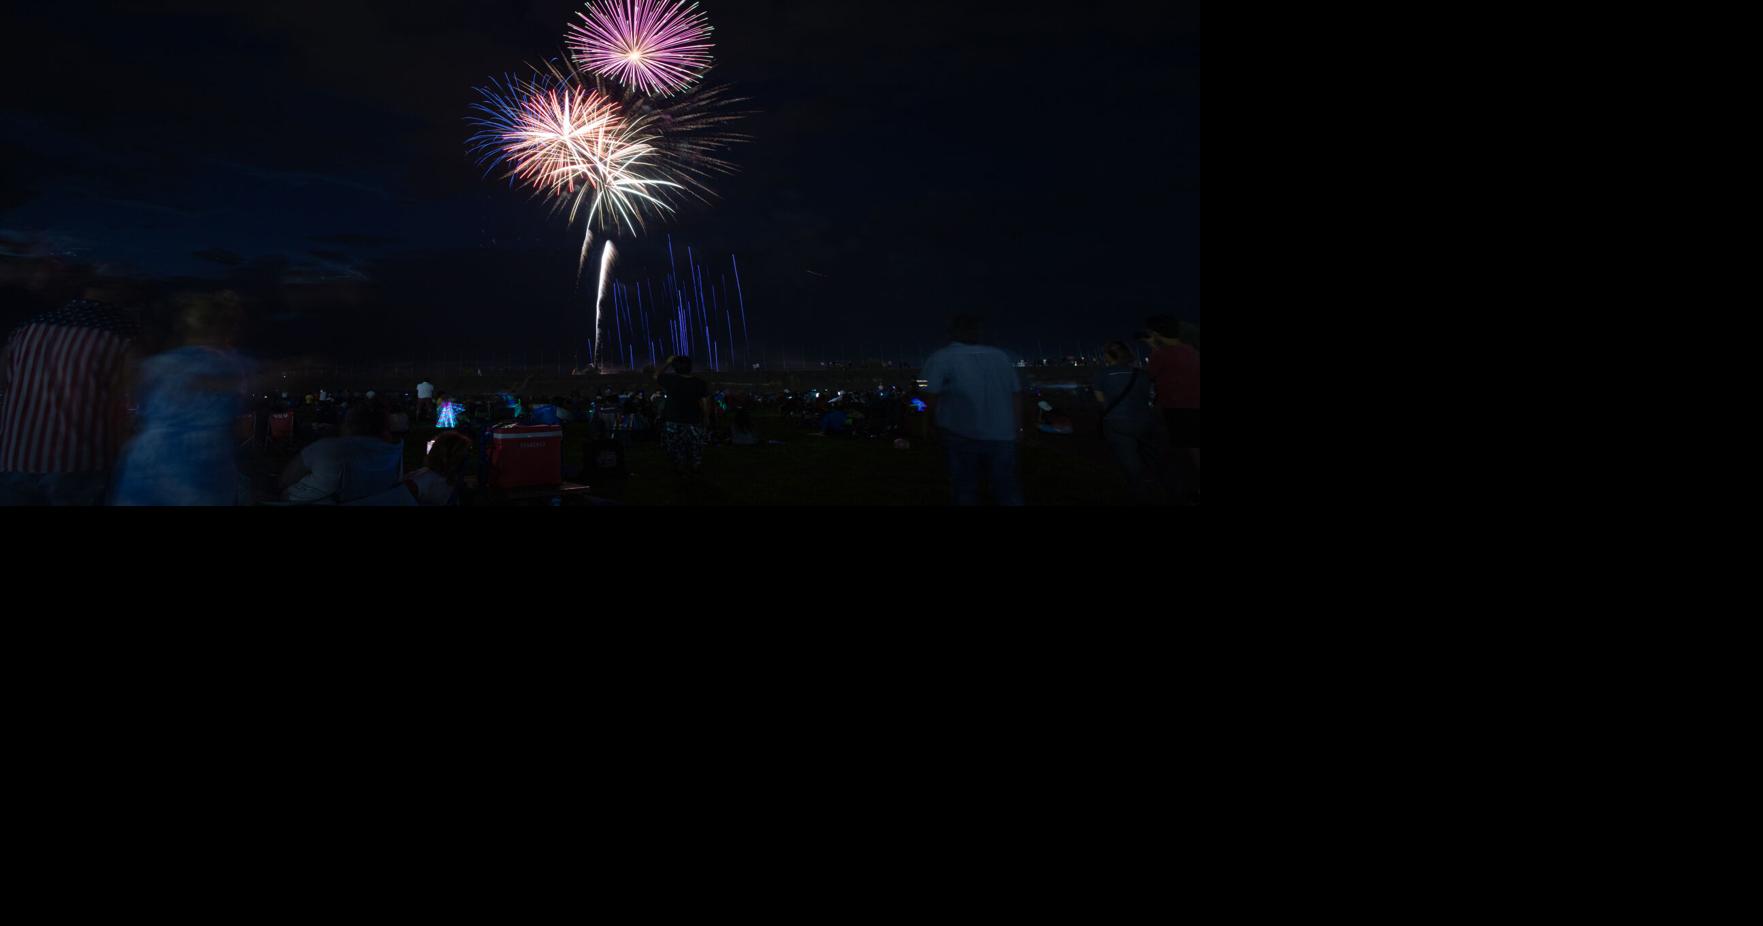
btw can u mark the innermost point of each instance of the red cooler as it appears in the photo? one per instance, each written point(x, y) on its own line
point(523, 456)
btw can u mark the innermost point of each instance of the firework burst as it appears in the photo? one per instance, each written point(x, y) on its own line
point(691, 136)
point(575, 146)
point(660, 47)
point(622, 136)
point(545, 131)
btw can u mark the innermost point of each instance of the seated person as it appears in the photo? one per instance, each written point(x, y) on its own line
point(437, 484)
point(834, 423)
point(744, 433)
point(364, 461)
point(543, 414)
point(606, 415)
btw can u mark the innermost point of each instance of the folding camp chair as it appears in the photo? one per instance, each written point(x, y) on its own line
point(281, 428)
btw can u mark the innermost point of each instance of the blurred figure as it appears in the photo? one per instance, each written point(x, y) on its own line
point(1175, 370)
point(361, 463)
point(835, 423)
point(448, 415)
point(437, 484)
point(685, 415)
point(1129, 424)
point(183, 452)
point(399, 420)
point(978, 413)
point(63, 422)
point(744, 433)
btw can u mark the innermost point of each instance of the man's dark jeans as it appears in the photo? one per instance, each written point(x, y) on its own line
point(1136, 448)
point(996, 458)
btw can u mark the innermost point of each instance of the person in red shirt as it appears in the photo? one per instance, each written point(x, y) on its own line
point(1175, 371)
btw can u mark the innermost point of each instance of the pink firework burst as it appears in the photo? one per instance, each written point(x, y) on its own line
point(574, 146)
point(659, 47)
point(546, 131)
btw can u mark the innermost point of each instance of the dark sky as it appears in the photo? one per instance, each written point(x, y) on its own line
point(1036, 162)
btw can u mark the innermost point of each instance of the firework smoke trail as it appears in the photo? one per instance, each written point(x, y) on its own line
point(582, 265)
point(660, 47)
point(606, 257)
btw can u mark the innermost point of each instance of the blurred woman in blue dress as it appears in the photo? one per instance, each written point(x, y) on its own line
point(184, 452)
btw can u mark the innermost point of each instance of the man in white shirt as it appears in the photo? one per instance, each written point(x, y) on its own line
point(978, 413)
point(425, 400)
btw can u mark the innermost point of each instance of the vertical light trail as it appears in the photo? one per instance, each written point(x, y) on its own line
point(692, 280)
point(672, 262)
point(617, 326)
point(587, 245)
point(722, 308)
point(606, 257)
point(743, 296)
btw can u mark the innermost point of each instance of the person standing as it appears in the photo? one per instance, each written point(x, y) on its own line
point(62, 424)
point(685, 414)
point(978, 413)
point(1129, 423)
point(1175, 370)
point(425, 400)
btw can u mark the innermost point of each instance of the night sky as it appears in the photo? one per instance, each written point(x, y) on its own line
point(1036, 163)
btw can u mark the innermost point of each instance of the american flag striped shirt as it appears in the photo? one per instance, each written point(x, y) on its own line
point(65, 402)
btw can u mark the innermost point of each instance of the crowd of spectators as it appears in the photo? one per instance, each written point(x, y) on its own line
point(110, 427)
